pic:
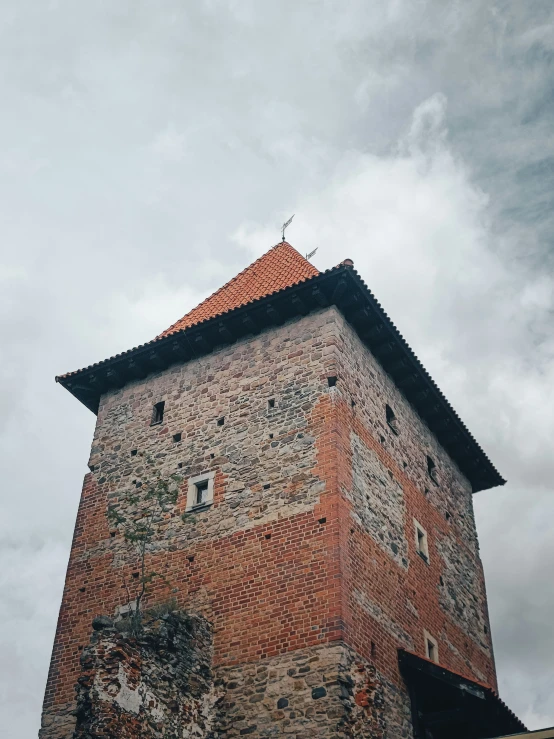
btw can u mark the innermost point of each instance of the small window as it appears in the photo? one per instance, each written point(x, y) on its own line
point(431, 647)
point(271, 403)
point(221, 421)
point(421, 541)
point(177, 437)
point(332, 381)
point(432, 469)
point(158, 413)
point(391, 419)
point(200, 491)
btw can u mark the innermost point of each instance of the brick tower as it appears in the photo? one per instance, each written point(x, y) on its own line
point(324, 530)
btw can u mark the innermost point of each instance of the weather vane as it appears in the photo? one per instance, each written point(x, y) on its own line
point(285, 226)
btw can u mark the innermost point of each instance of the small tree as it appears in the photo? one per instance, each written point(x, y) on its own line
point(139, 515)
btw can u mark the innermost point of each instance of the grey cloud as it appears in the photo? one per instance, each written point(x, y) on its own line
point(149, 152)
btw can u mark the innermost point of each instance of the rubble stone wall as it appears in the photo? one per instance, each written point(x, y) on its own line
point(161, 685)
point(325, 692)
point(156, 685)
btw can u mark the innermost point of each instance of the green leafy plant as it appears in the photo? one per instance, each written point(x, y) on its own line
point(139, 515)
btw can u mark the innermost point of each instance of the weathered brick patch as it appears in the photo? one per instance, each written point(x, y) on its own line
point(157, 685)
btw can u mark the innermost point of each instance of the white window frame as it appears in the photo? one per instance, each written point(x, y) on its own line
point(430, 640)
point(421, 544)
point(193, 491)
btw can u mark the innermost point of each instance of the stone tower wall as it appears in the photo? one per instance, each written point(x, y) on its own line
point(262, 563)
point(307, 551)
point(390, 593)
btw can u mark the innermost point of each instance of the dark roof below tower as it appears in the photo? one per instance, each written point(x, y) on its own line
point(280, 286)
point(447, 705)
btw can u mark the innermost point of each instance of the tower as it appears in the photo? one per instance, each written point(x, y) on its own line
point(323, 528)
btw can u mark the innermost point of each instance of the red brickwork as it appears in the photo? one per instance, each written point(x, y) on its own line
point(286, 560)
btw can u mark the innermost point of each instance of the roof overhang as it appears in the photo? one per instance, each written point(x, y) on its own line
point(446, 705)
point(341, 286)
point(538, 734)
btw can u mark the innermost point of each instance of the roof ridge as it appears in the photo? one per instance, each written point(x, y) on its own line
point(233, 280)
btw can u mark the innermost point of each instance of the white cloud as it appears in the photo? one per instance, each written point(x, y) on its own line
point(413, 137)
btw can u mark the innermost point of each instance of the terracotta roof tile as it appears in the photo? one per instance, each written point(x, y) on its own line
point(280, 267)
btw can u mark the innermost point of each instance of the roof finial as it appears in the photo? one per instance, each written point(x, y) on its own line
point(285, 226)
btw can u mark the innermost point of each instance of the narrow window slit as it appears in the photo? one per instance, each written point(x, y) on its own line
point(201, 492)
point(432, 469)
point(422, 547)
point(431, 648)
point(158, 413)
point(391, 419)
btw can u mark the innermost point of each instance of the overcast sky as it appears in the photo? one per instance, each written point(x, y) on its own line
point(150, 150)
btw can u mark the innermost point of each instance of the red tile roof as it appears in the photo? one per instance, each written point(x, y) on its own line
point(280, 267)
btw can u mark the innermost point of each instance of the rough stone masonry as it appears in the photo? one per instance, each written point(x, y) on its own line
point(151, 685)
point(304, 565)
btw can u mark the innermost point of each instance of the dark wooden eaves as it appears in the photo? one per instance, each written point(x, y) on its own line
point(340, 286)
